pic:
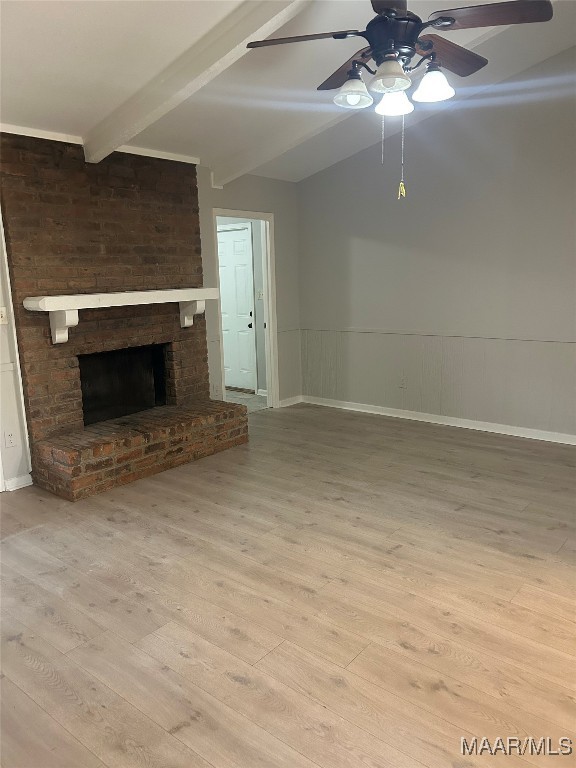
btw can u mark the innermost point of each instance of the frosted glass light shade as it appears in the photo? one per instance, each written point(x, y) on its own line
point(394, 104)
point(353, 95)
point(433, 87)
point(390, 77)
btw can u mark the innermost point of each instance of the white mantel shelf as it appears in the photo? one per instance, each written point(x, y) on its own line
point(63, 310)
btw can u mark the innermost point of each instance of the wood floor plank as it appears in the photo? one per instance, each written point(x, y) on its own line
point(105, 606)
point(381, 618)
point(265, 618)
point(45, 745)
point(546, 603)
point(105, 558)
point(345, 591)
point(526, 623)
point(425, 736)
point(279, 617)
point(425, 574)
point(115, 731)
point(516, 683)
point(314, 731)
point(461, 704)
point(25, 509)
point(220, 734)
point(567, 552)
point(261, 578)
point(194, 536)
point(479, 521)
point(45, 613)
point(543, 571)
point(188, 506)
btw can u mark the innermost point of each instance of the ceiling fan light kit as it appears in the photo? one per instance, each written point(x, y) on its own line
point(390, 76)
point(394, 104)
point(434, 86)
point(394, 36)
point(353, 94)
point(391, 80)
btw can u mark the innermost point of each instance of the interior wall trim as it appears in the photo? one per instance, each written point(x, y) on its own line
point(68, 138)
point(431, 418)
point(271, 327)
point(38, 133)
point(15, 483)
point(292, 401)
point(439, 335)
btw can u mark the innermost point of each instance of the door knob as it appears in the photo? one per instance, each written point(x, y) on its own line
point(249, 325)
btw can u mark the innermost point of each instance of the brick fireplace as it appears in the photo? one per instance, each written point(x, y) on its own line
point(129, 223)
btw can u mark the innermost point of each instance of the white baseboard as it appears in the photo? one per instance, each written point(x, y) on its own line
point(431, 418)
point(15, 483)
point(262, 392)
point(291, 401)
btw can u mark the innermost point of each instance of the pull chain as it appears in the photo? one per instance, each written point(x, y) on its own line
point(383, 137)
point(402, 187)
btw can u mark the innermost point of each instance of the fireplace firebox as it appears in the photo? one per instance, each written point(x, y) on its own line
point(122, 382)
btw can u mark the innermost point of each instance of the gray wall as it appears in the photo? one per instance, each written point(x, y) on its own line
point(253, 193)
point(459, 300)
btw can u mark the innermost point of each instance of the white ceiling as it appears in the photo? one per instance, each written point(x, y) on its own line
point(67, 66)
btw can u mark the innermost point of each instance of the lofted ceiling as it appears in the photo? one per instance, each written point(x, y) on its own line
point(174, 78)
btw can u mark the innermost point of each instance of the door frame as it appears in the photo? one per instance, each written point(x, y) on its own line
point(244, 226)
point(270, 332)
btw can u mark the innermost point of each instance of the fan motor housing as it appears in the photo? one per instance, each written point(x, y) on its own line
point(386, 34)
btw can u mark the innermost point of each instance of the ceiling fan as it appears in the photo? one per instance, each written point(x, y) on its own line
point(395, 36)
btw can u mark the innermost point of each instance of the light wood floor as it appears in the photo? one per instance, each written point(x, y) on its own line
point(347, 591)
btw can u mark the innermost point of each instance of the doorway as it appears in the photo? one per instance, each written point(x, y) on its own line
point(243, 271)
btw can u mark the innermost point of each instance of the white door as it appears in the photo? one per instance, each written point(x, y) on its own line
point(237, 305)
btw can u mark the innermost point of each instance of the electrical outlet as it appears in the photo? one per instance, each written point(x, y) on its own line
point(10, 439)
point(3, 316)
point(403, 384)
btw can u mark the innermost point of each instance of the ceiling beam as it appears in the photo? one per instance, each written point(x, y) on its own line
point(201, 63)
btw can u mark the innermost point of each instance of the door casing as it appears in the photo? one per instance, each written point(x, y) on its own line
point(271, 333)
point(239, 375)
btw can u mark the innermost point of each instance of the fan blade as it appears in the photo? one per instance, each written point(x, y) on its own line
point(496, 14)
point(301, 38)
point(399, 6)
point(339, 77)
point(451, 56)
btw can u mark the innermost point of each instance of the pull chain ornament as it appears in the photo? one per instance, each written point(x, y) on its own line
point(402, 186)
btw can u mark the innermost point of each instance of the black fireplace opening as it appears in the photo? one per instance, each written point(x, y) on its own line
point(121, 382)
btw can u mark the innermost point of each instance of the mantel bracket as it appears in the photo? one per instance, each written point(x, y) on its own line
point(187, 311)
point(60, 321)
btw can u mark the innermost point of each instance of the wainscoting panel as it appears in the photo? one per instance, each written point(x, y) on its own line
point(289, 363)
point(528, 384)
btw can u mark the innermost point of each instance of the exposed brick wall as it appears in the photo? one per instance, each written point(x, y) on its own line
point(128, 223)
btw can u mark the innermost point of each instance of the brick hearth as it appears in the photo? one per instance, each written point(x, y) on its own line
point(78, 464)
point(128, 223)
